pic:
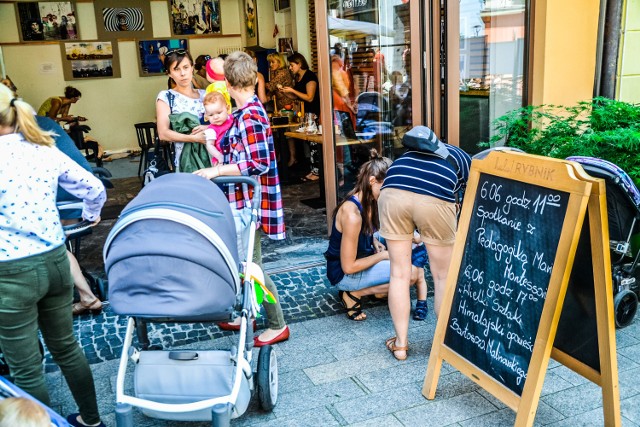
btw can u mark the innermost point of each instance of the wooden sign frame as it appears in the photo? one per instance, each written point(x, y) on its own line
point(584, 193)
point(607, 377)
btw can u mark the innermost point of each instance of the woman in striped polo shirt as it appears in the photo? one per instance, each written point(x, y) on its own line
point(419, 193)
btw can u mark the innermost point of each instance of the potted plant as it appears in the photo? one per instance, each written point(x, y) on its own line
point(602, 128)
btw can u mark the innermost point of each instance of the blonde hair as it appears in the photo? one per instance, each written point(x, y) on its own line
point(276, 57)
point(16, 113)
point(214, 97)
point(240, 70)
point(23, 412)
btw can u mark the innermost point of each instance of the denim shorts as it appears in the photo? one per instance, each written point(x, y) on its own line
point(375, 275)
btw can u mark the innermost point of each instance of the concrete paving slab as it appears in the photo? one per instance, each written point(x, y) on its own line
point(447, 411)
point(630, 409)
point(386, 420)
point(370, 406)
point(315, 397)
point(342, 369)
point(394, 376)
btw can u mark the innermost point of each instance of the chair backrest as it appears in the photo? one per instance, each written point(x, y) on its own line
point(146, 133)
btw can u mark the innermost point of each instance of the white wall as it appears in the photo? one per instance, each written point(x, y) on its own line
point(112, 105)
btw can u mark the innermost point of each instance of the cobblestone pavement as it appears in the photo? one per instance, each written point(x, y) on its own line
point(297, 262)
point(304, 294)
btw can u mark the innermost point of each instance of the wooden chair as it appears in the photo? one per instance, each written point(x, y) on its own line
point(146, 133)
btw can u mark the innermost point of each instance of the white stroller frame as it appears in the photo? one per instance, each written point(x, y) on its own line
point(223, 408)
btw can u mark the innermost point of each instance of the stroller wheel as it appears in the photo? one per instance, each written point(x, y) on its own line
point(625, 305)
point(267, 378)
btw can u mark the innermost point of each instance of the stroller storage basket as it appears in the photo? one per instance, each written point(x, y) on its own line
point(173, 252)
point(185, 377)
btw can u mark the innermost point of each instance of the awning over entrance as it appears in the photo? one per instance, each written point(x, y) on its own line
point(349, 29)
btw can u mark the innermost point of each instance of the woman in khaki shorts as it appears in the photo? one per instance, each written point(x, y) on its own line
point(419, 193)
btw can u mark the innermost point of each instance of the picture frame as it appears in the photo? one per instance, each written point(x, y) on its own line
point(150, 54)
point(82, 60)
point(189, 18)
point(120, 19)
point(46, 21)
point(250, 13)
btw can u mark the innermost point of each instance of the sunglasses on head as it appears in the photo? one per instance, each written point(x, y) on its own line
point(176, 52)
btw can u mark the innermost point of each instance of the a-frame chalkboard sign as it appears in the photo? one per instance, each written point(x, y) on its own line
point(522, 223)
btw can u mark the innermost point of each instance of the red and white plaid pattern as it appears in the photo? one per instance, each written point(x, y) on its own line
point(249, 144)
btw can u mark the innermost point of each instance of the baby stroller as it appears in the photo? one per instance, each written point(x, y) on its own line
point(7, 389)
point(374, 116)
point(623, 213)
point(173, 257)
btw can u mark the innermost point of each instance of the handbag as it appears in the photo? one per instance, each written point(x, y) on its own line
point(158, 165)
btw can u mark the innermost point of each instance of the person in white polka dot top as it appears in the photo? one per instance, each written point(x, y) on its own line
point(36, 287)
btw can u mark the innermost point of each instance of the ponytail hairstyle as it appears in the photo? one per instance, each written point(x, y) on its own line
point(377, 168)
point(16, 113)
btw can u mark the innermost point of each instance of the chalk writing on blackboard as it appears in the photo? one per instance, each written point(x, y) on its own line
point(503, 278)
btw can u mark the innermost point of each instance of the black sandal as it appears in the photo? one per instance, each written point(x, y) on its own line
point(355, 309)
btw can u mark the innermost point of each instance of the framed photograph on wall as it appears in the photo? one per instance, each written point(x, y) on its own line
point(123, 19)
point(46, 21)
point(90, 60)
point(194, 17)
point(151, 54)
point(250, 21)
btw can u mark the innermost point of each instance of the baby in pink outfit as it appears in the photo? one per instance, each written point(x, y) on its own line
point(216, 111)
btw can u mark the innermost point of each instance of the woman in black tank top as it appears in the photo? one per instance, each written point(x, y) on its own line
point(357, 264)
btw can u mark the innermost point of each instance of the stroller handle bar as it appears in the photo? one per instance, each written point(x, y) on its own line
point(242, 180)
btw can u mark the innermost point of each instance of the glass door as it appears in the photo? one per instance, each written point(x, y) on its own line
point(371, 87)
point(493, 41)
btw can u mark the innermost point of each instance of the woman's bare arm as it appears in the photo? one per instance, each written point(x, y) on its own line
point(262, 94)
point(350, 222)
point(164, 131)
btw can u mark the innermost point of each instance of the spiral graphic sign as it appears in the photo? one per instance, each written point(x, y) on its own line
point(123, 19)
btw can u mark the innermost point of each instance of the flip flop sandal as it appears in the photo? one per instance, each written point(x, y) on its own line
point(355, 309)
point(421, 310)
point(94, 307)
point(392, 347)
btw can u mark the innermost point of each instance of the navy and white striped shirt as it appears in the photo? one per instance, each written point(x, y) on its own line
point(429, 174)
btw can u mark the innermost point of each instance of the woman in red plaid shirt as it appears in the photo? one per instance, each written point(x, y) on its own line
point(248, 150)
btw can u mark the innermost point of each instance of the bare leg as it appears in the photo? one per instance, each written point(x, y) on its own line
point(439, 260)
point(373, 290)
point(420, 282)
point(292, 152)
point(379, 289)
point(399, 298)
point(84, 291)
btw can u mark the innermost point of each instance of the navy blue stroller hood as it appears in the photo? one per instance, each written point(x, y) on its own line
point(173, 253)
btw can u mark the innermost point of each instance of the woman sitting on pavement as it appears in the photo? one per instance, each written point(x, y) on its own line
point(357, 263)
